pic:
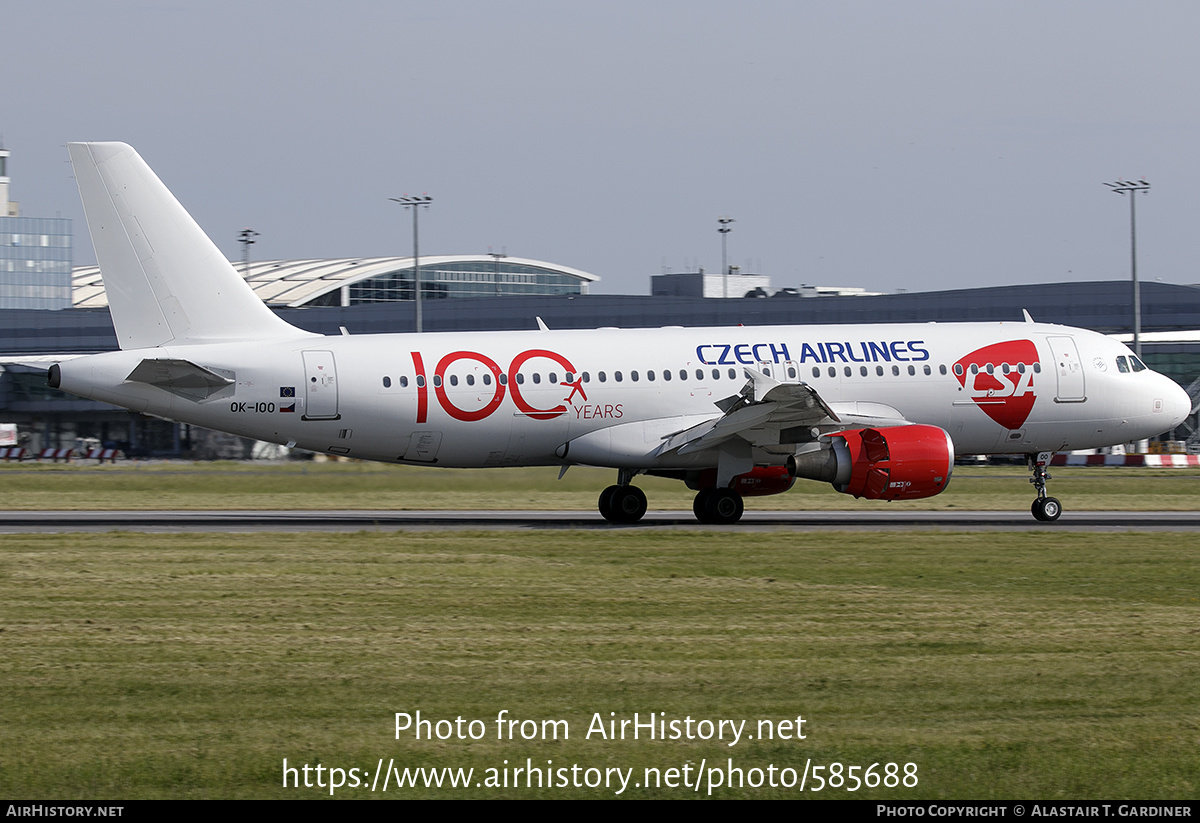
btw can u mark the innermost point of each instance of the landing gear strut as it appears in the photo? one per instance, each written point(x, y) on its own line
point(623, 503)
point(718, 507)
point(1045, 509)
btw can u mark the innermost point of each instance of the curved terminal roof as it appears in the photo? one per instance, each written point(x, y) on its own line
point(294, 283)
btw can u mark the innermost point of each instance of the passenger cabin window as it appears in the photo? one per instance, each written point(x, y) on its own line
point(387, 382)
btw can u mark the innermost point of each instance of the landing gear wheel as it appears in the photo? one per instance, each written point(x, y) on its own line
point(718, 507)
point(1046, 509)
point(622, 504)
point(605, 505)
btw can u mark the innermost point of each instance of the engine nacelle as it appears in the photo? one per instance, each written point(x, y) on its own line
point(888, 463)
point(758, 482)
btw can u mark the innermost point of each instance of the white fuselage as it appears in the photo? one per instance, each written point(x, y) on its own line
point(519, 398)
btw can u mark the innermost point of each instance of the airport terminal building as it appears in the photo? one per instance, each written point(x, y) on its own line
point(487, 292)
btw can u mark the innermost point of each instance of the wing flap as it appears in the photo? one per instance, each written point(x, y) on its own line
point(764, 407)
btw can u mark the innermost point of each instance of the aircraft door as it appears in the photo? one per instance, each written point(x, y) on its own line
point(320, 386)
point(1069, 369)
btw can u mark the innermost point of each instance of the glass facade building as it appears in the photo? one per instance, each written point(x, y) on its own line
point(35, 263)
point(465, 279)
point(358, 281)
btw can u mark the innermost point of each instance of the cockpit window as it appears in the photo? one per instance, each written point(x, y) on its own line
point(1138, 365)
point(1122, 364)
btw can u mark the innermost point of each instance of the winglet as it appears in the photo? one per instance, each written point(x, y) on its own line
point(542, 325)
point(1028, 317)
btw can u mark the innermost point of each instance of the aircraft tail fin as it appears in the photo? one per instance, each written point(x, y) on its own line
point(167, 282)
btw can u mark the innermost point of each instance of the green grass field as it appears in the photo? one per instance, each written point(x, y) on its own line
point(356, 485)
point(1003, 665)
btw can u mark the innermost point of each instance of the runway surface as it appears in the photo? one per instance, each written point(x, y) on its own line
point(344, 521)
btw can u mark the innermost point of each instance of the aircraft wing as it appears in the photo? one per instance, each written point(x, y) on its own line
point(768, 413)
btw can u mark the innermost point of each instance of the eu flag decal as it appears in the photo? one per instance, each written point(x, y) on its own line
point(287, 391)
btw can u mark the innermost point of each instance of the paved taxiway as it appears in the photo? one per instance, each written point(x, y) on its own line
point(306, 521)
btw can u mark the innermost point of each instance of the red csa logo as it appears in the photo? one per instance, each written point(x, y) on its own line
point(1000, 380)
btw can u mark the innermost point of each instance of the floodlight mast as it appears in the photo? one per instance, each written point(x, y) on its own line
point(1132, 187)
point(497, 256)
point(246, 238)
point(724, 229)
point(415, 204)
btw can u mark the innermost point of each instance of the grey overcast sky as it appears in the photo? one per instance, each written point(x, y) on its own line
point(890, 145)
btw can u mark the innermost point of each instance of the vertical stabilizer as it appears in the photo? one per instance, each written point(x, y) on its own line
point(166, 281)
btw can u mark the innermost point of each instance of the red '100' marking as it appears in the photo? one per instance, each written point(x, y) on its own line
point(497, 393)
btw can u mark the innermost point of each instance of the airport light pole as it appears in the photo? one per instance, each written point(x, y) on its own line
point(497, 255)
point(415, 203)
point(724, 229)
point(1132, 187)
point(246, 238)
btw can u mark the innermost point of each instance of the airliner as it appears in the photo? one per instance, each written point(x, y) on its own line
point(879, 411)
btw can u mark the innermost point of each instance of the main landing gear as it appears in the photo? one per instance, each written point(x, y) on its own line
point(623, 503)
point(718, 507)
point(1045, 509)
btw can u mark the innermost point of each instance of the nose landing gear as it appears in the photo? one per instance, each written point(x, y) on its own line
point(1046, 509)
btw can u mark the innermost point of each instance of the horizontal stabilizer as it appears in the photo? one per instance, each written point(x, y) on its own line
point(180, 377)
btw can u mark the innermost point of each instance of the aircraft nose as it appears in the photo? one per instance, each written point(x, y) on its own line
point(1176, 403)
